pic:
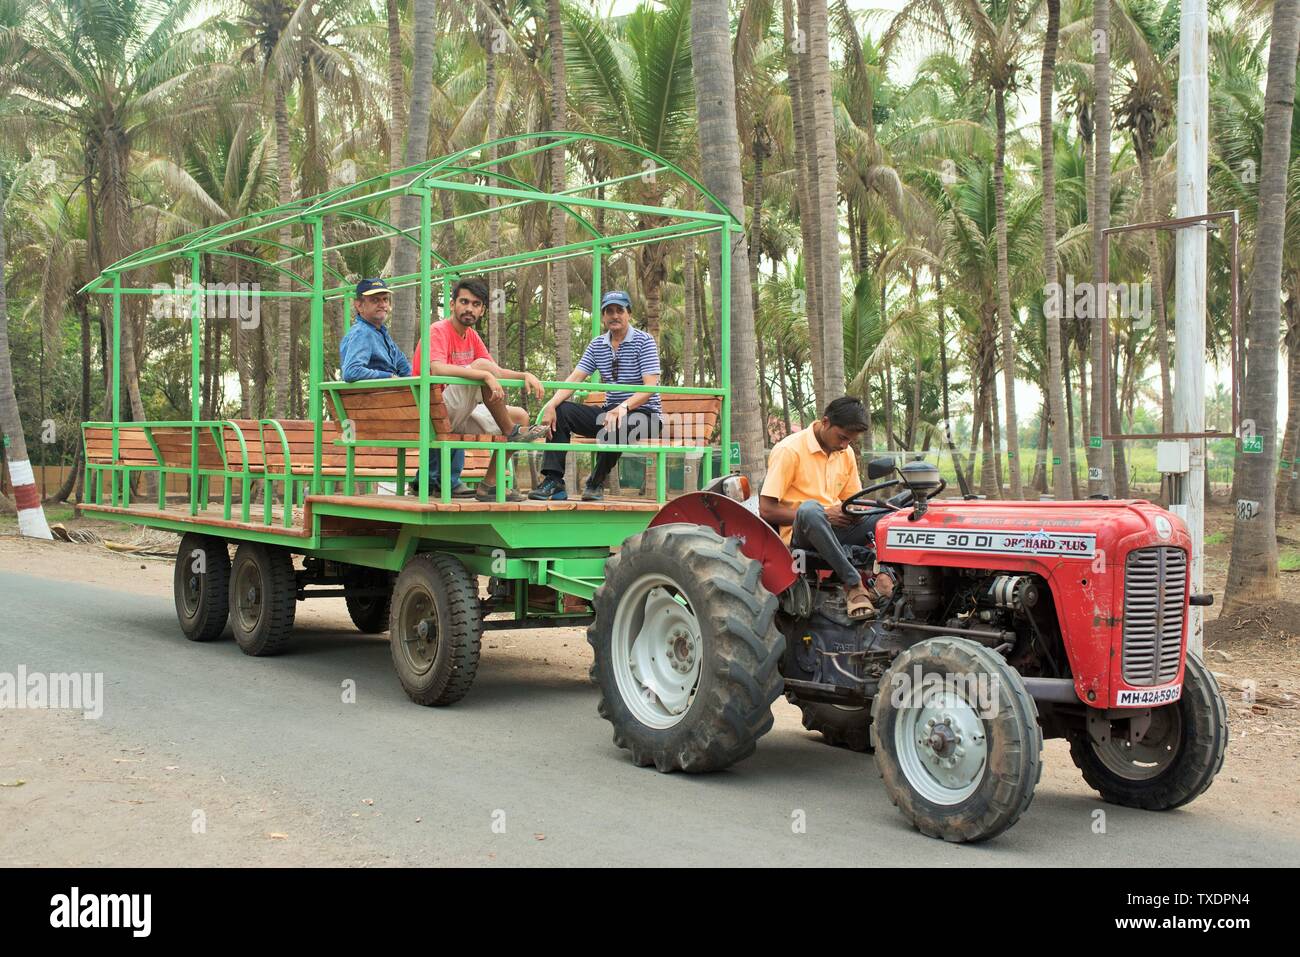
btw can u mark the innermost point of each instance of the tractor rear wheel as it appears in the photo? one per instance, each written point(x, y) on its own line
point(368, 611)
point(201, 585)
point(1176, 759)
point(435, 629)
point(840, 725)
point(686, 654)
point(263, 598)
point(957, 739)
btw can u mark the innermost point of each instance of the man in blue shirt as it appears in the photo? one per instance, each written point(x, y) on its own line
point(369, 352)
point(622, 354)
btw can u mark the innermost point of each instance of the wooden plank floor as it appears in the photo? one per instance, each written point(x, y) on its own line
point(334, 525)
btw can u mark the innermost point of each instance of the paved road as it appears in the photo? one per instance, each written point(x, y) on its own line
point(533, 748)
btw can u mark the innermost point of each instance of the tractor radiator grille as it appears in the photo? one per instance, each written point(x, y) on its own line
point(1155, 594)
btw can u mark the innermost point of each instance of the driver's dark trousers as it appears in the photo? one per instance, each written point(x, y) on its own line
point(813, 530)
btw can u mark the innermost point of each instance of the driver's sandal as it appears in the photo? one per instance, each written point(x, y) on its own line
point(858, 603)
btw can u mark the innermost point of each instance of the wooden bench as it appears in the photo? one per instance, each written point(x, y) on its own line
point(685, 420)
point(133, 448)
point(393, 413)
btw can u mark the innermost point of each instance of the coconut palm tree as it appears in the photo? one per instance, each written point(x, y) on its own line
point(1055, 409)
point(1252, 568)
point(715, 102)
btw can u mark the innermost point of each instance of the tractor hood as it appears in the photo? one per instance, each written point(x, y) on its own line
point(1022, 535)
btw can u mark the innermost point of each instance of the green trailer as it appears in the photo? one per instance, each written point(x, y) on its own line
point(303, 503)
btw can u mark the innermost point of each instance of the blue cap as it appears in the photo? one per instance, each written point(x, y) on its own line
point(371, 287)
point(616, 296)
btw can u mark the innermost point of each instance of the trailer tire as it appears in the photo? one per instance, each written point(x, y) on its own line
point(263, 598)
point(717, 636)
point(201, 586)
point(435, 629)
point(1194, 730)
point(955, 773)
point(369, 613)
point(839, 726)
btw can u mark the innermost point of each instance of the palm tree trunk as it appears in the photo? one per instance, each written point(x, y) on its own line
point(715, 101)
point(495, 292)
point(1286, 475)
point(1100, 215)
point(1004, 291)
point(827, 183)
point(1073, 438)
point(1061, 450)
point(559, 294)
point(27, 497)
point(689, 318)
point(396, 86)
point(405, 257)
point(284, 331)
point(1252, 568)
point(796, 47)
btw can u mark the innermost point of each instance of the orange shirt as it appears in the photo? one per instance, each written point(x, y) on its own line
point(799, 469)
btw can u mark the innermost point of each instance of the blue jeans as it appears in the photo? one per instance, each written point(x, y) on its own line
point(435, 456)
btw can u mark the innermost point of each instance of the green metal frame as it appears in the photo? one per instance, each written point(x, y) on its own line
point(564, 550)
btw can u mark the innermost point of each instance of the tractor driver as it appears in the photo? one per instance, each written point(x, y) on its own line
point(809, 474)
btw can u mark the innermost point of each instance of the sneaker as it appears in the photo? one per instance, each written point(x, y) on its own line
point(488, 493)
point(593, 493)
point(532, 433)
point(551, 490)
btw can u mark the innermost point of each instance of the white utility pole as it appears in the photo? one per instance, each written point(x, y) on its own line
point(1188, 500)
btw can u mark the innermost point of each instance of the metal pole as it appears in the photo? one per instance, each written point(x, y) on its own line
point(425, 313)
point(196, 310)
point(117, 384)
point(316, 362)
point(1188, 499)
point(725, 326)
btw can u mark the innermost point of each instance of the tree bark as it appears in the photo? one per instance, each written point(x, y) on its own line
point(1252, 567)
point(1055, 406)
point(715, 101)
point(796, 46)
point(1100, 213)
point(406, 256)
point(27, 497)
point(827, 184)
point(1005, 314)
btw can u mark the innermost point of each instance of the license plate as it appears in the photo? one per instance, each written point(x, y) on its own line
point(1150, 698)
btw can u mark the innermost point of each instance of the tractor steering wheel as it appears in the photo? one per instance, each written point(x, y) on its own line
point(859, 503)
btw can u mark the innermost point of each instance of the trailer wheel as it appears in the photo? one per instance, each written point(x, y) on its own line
point(1177, 758)
point(435, 629)
point(840, 725)
point(263, 598)
point(201, 586)
point(686, 654)
point(369, 612)
point(957, 739)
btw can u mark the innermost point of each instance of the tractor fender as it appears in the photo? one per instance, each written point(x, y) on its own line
point(730, 519)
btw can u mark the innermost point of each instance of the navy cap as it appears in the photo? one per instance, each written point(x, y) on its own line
point(371, 287)
point(616, 296)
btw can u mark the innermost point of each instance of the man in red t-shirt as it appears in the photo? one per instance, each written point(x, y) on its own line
point(455, 349)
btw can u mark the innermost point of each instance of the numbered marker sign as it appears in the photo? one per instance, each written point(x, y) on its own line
point(1247, 510)
point(1094, 442)
point(1094, 474)
point(1253, 444)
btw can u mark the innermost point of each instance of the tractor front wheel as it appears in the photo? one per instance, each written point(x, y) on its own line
point(957, 739)
point(1176, 757)
point(686, 655)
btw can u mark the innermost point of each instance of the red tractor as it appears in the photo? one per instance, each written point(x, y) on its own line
point(1008, 622)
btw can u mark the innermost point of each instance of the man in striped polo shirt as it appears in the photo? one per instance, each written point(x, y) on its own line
point(621, 354)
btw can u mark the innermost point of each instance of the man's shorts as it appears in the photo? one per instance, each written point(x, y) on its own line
point(468, 415)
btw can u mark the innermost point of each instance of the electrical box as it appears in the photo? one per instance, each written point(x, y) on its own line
point(1173, 457)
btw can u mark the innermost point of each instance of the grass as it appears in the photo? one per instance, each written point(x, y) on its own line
point(53, 513)
point(1289, 561)
point(1216, 538)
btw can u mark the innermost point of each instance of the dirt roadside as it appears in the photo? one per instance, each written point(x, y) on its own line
point(68, 764)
